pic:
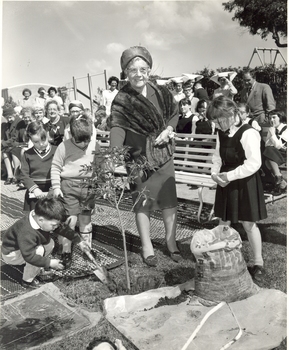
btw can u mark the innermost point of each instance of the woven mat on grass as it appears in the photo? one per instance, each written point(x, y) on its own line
point(105, 255)
point(107, 242)
point(106, 216)
point(187, 223)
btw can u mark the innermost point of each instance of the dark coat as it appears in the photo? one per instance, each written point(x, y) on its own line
point(260, 101)
point(9, 134)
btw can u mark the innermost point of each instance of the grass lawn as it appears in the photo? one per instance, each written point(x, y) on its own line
point(89, 294)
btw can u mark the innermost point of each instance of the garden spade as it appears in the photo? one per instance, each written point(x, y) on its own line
point(100, 272)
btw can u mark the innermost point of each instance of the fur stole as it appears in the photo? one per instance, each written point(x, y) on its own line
point(132, 111)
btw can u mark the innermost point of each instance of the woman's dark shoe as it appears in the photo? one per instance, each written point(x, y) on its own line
point(9, 181)
point(281, 183)
point(30, 285)
point(176, 256)
point(151, 260)
point(257, 272)
point(14, 181)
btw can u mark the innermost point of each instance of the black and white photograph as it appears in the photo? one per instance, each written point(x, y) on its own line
point(144, 175)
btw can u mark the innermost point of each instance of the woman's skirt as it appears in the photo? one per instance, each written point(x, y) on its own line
point(274, 154)
point(241, 200)
point(158, 189)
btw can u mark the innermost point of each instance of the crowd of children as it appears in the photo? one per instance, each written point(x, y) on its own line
point(50, 152)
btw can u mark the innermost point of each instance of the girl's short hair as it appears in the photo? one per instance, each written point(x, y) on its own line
point(26, 90)
point(187, 85)
point(111, 79)
point(241, 104)
point(50, 208)
point(52, 88)
point(37, 128)
point(185, 101)
point(41, 89)
point(26, 110)
point(37, 108)
point(81, 128)
point(221, 107)
point(201, 103)
point(175, 84)
point(281, 115)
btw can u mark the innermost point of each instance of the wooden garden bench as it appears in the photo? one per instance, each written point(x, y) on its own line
point(193, 163)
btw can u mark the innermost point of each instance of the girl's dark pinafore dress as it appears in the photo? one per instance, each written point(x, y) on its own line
point(242, 199)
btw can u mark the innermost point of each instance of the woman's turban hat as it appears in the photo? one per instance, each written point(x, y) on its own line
point(135, 51)
point(75, 103)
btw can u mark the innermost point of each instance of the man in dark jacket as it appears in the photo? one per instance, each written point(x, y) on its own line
point(257, 96)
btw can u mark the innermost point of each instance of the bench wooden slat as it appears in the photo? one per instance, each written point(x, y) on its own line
point(196, 136)
point(183, 152)
point(192, 164)
point(196, 171)
point(188, 157)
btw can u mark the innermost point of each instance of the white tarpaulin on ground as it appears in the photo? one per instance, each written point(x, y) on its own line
point(262, 319)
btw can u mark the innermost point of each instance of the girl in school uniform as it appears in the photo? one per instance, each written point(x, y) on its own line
point(236, 163)
point(244, 112)
point(203, 125)
point(36, 165)
point(275, 153)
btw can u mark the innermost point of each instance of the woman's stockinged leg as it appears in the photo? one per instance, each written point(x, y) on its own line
point(8, 165)
point(143, 226)
point(255, 240)
point(275, 168)
point(170, 222)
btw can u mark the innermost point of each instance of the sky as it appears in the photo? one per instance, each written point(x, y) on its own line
point(53, 41)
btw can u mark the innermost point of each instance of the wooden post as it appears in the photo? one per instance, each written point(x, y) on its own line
point(90, 93)
point(105, 79)
point(74, 88)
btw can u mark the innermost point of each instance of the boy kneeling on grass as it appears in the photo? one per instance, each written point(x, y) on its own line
point(28, 240)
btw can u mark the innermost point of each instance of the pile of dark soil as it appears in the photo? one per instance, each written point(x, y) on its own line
point(174, 301)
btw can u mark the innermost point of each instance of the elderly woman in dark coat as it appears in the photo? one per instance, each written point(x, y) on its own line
point(144, 116)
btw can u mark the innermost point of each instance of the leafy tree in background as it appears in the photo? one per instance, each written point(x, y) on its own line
point(262, 17)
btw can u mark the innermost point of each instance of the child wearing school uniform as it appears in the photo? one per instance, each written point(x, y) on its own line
point(36, 165)
point(275, 153)
point(236, 164)
point(245, 116)
point(203, 125)
point(28, 240)
point(67, 175)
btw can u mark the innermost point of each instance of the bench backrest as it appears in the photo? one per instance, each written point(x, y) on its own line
point(193, 153)
point(102, 138)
